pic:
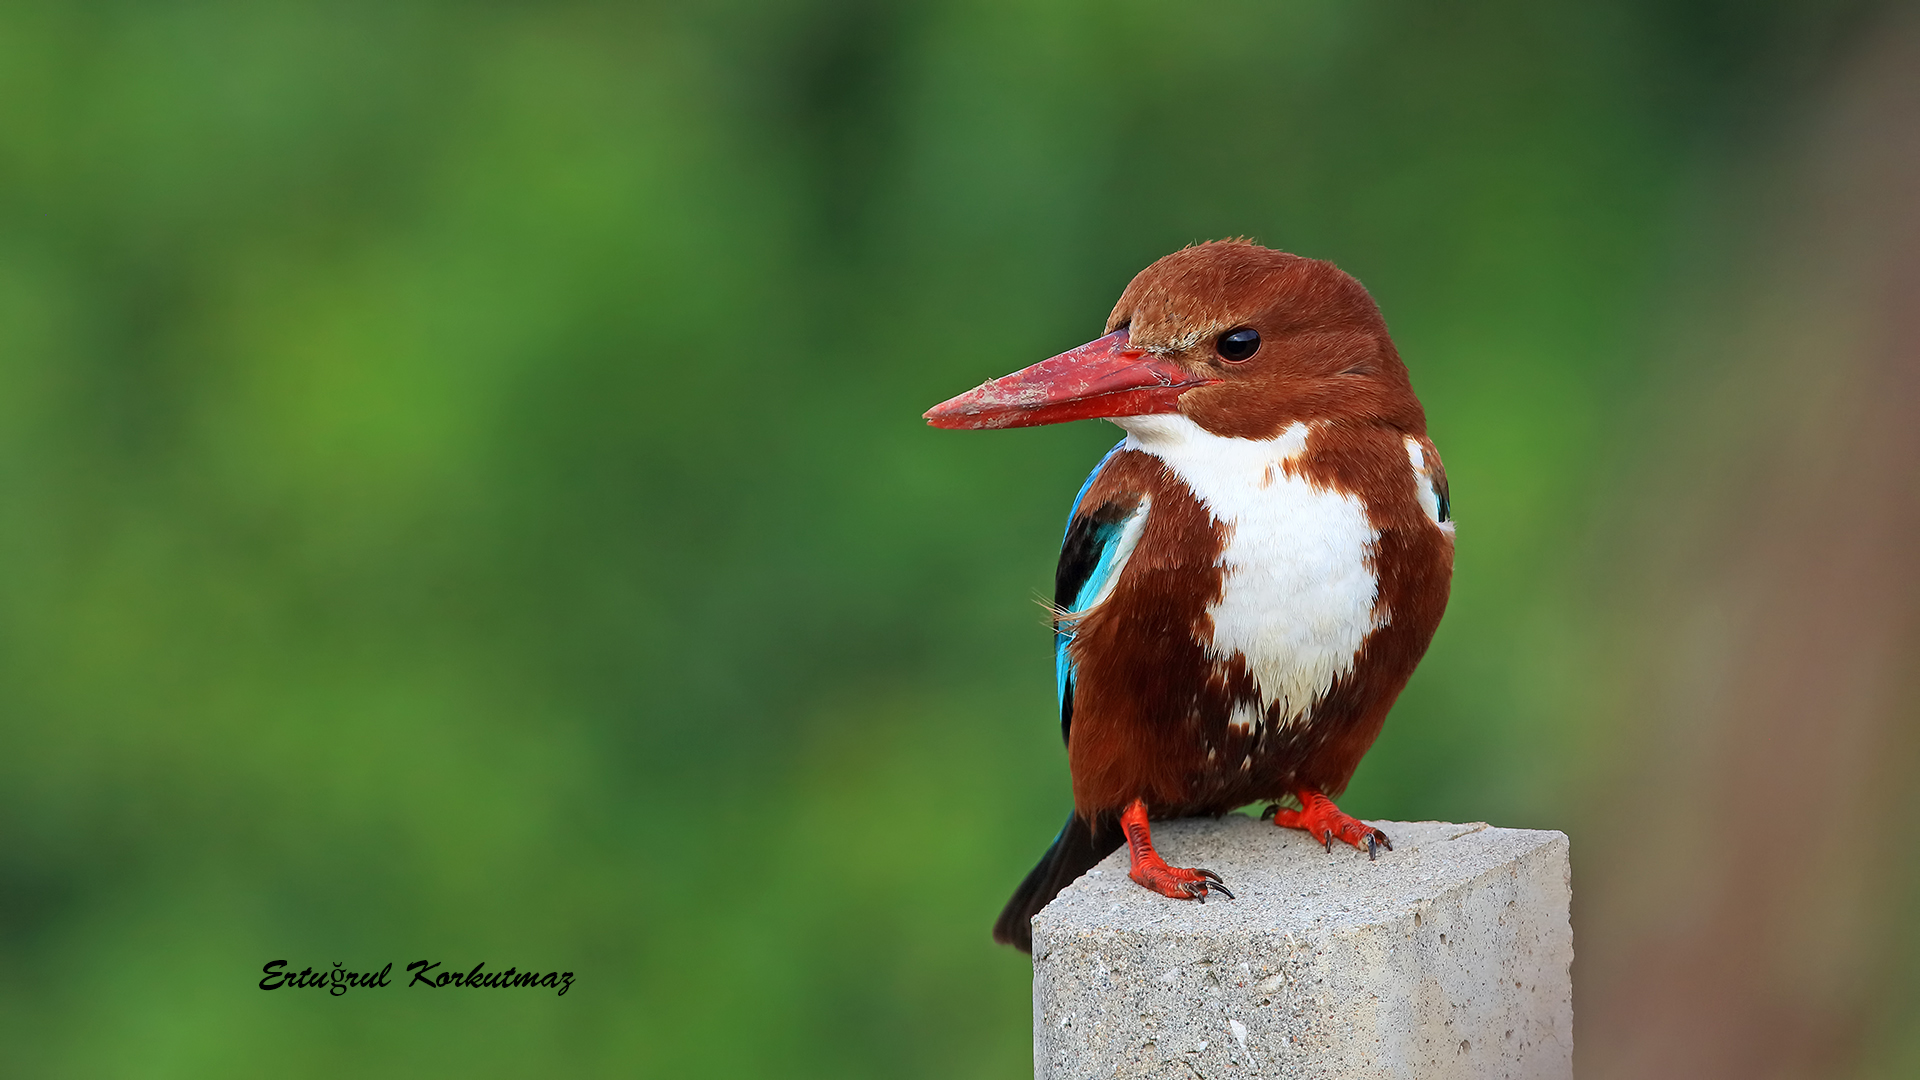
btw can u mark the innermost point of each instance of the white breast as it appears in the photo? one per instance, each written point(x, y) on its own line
point(1299, 585)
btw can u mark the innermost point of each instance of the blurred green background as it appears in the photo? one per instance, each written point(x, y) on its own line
point(465, 496)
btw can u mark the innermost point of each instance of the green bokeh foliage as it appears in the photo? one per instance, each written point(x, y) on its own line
point(465, 496)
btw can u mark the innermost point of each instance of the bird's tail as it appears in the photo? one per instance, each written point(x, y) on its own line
point(1077, 849)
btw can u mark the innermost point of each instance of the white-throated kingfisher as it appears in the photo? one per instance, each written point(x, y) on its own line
point(1249, 578)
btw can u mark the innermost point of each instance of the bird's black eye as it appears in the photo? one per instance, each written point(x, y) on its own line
point(1238, 345)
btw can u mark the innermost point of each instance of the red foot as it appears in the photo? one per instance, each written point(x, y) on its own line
point(1151, 870)
point(1326, 823)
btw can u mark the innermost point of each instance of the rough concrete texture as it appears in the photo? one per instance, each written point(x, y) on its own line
point(1450, 956)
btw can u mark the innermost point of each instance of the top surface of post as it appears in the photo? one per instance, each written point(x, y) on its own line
point(1282, 881)
point(1448, 956)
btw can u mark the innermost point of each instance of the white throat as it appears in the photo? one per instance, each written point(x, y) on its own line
point(1299, 584)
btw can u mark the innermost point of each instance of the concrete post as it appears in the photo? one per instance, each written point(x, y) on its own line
point(1449, 956)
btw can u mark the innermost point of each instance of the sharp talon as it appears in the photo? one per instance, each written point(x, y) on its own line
point(1209, 875)
point(1325, 822)
point(1267, 814)
point(1224, 891)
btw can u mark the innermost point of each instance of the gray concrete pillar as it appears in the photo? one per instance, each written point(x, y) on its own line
point(1449, 956)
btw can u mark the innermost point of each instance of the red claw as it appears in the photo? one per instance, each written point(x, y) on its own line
point(1151, 870)
point(1326, 823)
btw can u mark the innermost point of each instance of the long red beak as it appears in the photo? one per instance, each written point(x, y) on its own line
point(1103, 378)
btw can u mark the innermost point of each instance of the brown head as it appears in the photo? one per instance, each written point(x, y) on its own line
point(1241, 339)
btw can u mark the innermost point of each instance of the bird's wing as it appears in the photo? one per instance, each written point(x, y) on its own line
point(1101, 534)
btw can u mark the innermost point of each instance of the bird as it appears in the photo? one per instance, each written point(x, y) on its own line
point(1249, 577)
